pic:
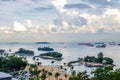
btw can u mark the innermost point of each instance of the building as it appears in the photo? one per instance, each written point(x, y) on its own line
point(5, 76)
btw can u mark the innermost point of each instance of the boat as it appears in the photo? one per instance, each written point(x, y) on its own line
point(118, 44)
point(101, 46)
point(42, 43)
point(86, 44)
point(90, 45)
point(111, 43)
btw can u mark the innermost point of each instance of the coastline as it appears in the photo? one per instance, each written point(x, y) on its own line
point(91, 64)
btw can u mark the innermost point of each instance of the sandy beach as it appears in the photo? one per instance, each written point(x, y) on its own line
point(53, 70)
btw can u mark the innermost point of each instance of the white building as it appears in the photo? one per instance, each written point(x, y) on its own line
point(5, 76)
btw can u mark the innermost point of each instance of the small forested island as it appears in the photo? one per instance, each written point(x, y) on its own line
point(45, 49)
point(92, 61)
point(12, 63)
point(51, 55)
point(42, 43)
point(99, 61)
point(24, 51)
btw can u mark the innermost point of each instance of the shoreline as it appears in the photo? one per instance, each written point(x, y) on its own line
point(91, 64)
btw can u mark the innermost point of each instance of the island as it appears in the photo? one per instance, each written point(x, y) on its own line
point(45, 49)
point(22, 51)
point(51, 55)
point(99, 61)
point(92, 61)
point(42, 43)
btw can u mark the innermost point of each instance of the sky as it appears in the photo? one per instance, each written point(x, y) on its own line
point(59, 20)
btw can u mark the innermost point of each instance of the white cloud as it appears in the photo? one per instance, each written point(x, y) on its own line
point(69, 21)
point(59, 5)
point(18, 26)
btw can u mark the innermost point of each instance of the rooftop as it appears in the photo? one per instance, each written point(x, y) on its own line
point(4, 75)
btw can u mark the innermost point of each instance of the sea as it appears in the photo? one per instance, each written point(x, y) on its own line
point(71, 51)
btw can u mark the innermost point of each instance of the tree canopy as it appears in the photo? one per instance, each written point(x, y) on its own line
point(52, 54)
point(46, 49)
point(99, 59)
point(12, 63)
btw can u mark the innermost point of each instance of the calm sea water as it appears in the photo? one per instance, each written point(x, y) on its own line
point(70, 51)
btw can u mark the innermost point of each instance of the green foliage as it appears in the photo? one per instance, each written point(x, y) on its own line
point(46, 49)
point(3, 61)
point(52, 54)
point(33, 65)
point(2, 51)
point(80, 76)
point(52, 62)
point(31, 78)
point(43, 76)
point(100, 57)
point(106, 73)
point(90, 59)
point(73, 72)
point(57, 75)
point(108, 60)
point(12, 63)
point(102, 73)
point(49, 74)
point(73, 78)
point(34, 71)
point(15, 63)
point(24, 51)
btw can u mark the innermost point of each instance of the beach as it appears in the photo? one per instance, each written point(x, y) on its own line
point(53, 70)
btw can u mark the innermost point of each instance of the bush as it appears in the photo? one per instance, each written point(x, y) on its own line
point(108, 60)
point(12, 63)
point(90, 59)
point(2, 51)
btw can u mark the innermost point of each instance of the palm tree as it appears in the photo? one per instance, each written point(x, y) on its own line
point(52, 62)
point(33, 58)
point(43, 76)
point(65, 69)
point(61, 67)
point(35, 72)
point(57, 75)
point(39, 63)
point(64, 63)
point(2, 51)
point(25, 58)
point(71, 68)
point(49, 74)
point(73, 72)
point(37, 59)
point(65, 76)
point(43, 70)
point(10, 50)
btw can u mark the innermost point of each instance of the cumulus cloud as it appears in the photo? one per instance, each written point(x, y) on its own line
point(72, 21)
point(59, 5)
point(78, 17)
point(18, 26)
